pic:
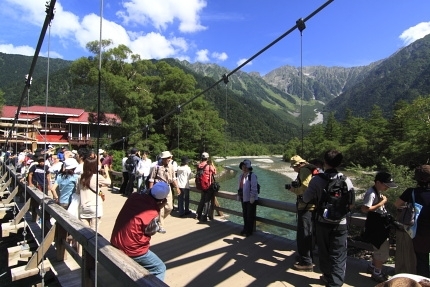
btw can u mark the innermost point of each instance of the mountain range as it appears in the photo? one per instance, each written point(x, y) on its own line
point(282, 100)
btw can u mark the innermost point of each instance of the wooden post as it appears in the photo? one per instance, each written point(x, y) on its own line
point(60, 237)
point(88, 265)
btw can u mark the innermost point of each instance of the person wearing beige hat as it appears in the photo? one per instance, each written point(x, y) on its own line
point(165, 173)
point(421, 195)
point(305, 214)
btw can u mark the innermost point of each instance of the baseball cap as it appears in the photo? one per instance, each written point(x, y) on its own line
point(160, 190)
point(385, 178)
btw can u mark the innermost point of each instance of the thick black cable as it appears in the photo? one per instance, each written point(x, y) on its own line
point(225, 76)
point(49, 16)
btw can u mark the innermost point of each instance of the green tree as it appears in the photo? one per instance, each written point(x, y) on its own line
point(332, 131)
point(148, 98)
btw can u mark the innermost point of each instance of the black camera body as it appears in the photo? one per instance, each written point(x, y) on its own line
point(294, 184)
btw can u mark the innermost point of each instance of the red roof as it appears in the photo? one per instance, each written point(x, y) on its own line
point(8, 113)
point(74, 116)
point(83, 118)
point(70, 112)
point(51, 139)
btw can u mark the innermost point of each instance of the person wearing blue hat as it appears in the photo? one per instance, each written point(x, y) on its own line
point(137, 222)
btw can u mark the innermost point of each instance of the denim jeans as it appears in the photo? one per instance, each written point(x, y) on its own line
point(184, 201)
point(151, 262)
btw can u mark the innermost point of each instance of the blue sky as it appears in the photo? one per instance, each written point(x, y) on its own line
point(226, 32)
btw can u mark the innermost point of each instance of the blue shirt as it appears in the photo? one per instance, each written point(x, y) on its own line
point(66, 187)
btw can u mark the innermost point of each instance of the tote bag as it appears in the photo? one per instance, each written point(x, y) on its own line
point(412, 230)
point(74, 205)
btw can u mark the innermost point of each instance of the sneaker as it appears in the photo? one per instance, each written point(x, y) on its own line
point(370, 269)
point(303, 267)
point(161, 230)
point(379, 277)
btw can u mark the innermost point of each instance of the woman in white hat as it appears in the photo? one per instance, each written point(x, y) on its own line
point(66, 182)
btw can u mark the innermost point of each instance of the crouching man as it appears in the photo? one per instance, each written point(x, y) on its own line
point(136, 223)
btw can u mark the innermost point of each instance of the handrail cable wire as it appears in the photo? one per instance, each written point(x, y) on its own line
point(49, 16)
point(98, 144)
point(225, 76)
point(226, 117)
point(301, 26)
point(45, 184)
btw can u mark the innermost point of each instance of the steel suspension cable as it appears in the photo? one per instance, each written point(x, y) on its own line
point(225, 76)
point(49, 16)
point(98, 144)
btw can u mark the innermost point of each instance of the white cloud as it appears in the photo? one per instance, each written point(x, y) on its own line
point(241, 61)
point(21, 50)
point(154, 46)
point(90, 31)
point(202, 56)
point(71, 30)
point(414, 33)
point(160, 13)
point(26, 51)
point(220, 56)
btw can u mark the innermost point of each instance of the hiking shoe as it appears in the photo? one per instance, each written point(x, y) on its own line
point(379, 277)
point(370, 269)
point(303, 267)
point(161, 230)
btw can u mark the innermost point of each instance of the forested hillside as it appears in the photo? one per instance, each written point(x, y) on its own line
point(256, 110)
point(403, 76)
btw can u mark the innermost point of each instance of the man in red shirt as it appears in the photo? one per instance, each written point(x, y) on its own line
point(136, 223)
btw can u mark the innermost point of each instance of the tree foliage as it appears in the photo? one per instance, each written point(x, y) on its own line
point(403, 139)
point(148, 97)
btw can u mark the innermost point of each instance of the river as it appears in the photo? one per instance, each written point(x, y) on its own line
point(271, 172)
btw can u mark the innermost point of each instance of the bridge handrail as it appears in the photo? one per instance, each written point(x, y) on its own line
point(116, 263)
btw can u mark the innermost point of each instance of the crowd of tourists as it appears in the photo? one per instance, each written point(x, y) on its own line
point(77, 180)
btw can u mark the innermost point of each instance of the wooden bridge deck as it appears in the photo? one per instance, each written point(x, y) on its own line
point(210, 254)
point(214, 254)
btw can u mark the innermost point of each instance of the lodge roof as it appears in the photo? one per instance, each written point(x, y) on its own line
point(32, 113)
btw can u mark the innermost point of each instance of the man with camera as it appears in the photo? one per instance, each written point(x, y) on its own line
point(378, 223)
point(305, 213)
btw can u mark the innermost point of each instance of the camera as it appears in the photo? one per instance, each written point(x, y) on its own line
point(294, 184)
point(390, 221)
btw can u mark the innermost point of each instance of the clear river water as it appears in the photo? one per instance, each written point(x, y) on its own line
point(272, 182)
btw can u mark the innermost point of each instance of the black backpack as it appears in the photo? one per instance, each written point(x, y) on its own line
point(258, 185)
point(335, 199)
point(130, 163)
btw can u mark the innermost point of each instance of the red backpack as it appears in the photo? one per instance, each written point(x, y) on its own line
point(202, 179)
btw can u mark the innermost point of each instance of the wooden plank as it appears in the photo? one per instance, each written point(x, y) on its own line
point(21, 272)
point(40, 252)
point(10, 197)
point(22, 212)
point(4, 186)
point(9, 227)
point(2, 179)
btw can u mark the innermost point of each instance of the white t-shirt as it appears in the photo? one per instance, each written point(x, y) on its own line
point(184, 176)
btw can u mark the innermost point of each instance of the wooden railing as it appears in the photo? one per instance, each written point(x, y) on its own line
point(114, 262)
